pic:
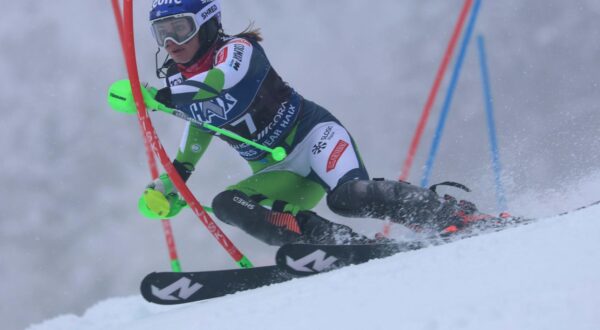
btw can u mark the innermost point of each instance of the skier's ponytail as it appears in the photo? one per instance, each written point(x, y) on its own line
point(251, 32)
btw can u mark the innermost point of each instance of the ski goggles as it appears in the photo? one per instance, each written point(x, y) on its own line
point(177, 28)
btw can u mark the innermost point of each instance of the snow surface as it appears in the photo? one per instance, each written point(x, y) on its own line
point(542, 276)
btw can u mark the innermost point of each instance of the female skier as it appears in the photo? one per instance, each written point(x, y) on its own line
point(228, 81)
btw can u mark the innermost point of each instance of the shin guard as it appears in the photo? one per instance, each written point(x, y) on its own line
point(397, 201)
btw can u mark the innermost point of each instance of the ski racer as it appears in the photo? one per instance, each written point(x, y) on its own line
point(228, 81)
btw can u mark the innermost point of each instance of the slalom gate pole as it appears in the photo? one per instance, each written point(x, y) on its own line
point(448, 102)
point(153, 140)
point(439, 77)
point(166, 224)
point(489, 107)
point(434, 90)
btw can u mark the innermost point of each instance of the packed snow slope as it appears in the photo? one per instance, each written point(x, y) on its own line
point(541, 276)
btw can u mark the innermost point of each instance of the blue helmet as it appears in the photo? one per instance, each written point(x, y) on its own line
point(193, 14)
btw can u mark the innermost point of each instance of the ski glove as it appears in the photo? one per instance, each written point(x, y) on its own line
point(160, 200)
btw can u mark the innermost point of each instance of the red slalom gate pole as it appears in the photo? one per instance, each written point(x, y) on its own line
point(152, 139)
point(166, 224)
point(416, 140)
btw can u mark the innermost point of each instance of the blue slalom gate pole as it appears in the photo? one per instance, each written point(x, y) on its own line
point(449, 96)
point(489, 107)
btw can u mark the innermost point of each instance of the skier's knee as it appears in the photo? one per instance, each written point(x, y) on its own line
point(224, 208)
point(347, 198)
point(238, 209)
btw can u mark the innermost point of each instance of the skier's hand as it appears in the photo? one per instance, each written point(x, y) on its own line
point(160, 200)
point(120, 97)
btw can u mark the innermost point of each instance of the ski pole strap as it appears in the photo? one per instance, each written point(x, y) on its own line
point(185, 170)
point(450, 184)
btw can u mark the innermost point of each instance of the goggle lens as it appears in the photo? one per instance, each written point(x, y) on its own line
point(178, 29)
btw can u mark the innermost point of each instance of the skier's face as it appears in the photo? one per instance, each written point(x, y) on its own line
point(183, 53)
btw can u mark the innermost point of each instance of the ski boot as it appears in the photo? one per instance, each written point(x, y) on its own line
point(317, 230)
point(463, 216)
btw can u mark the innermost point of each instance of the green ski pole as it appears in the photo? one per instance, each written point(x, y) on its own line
point(121, 100)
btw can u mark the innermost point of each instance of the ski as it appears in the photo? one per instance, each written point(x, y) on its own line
point(310, 259)
point(170, 288)
point(303, 259)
